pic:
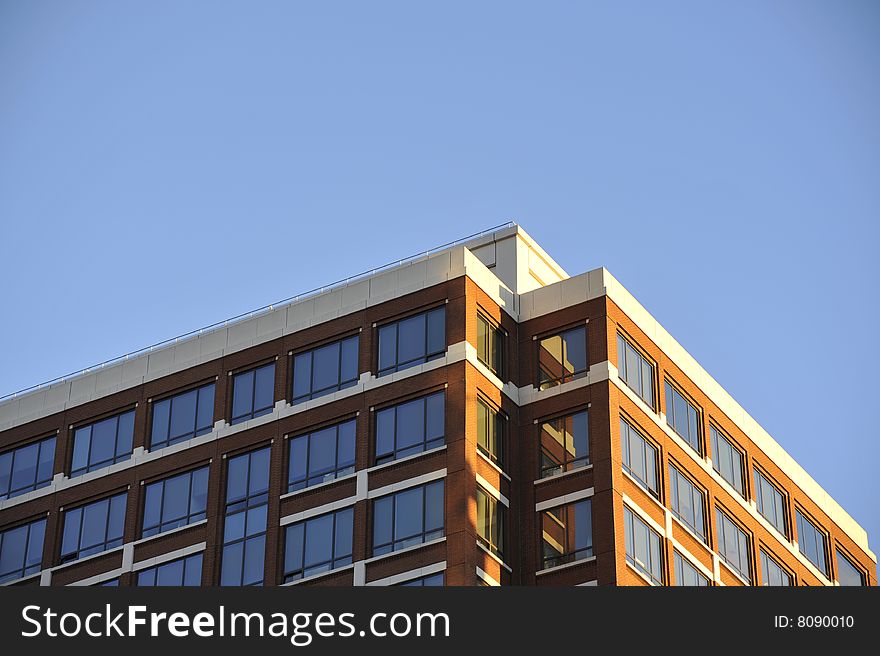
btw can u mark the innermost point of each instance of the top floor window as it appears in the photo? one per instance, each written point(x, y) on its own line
point(490, 345)
point(102, 443)
point(253, 393)
point(847, 573)
point(412, 341)
point(182, 417)
point(811, 542)
point(770, 502)
point(635, 370)
point(640, 458)
point(325, 369)
point(683, 417)
point(565, 444)
point(26, 468)
point(562, 357)
point(727, 460)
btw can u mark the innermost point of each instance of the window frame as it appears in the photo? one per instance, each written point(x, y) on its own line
point(90, 424)
point(427, 355)
point(629, 531)
point(566, 377)
point(337, 472)
point(243, 506)
point(38, 482)
point(333, 563)
point(25, 570)
point(108, 543)
point(170, 397)
point(571, 553)
point(310, 351)
point(801, 514)
point(839, 553)
point(547, 471)
point(492, 328)
point(254, 412)
point(721, 540)
point(765, 556)
point(496, 544)
point(190, 517)
point(677, 558)
point(658, 460)
point(501, 420)
point(715, 432)
point(670, 385)
point(425, 535)
point(625, 340)
point(758, 472)
point(392, 456)
point(674, 496)
point(186, 560)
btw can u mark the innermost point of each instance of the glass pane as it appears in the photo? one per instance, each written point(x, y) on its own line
point(434, 506)
point(12, 555)
point(550, 358)
point(233, 528)
point(24, 473)
point(385, 431)
point(437, 331)
point(236, 483)
point(161, 415)
point(35, 544)
point(575, 350)
point(319, 540)
point(45, 468)
point(349, 359)
point(298, 457)
point(410, 424)
point(847, 573)
point(583, 537)
point(293, 548)
point(436, 410)
point(199, 492)
point(259, 482)
point(147, 577)
point(302, 373)
point(152, 505)
point(387, 347)
point(408, 518)
point(193, 575)
point(411, 339)
point(116, 522)
point(254, 556)
point(232, 562)
point(580, 435)
point(170, 573)
point(382, 520)
point(322, 452)
point(124, 434)
point(256, 520)
point(346, 444)
point(264, 395)
point(183, 414)
point(325, 367)
point(344, 528)
point(5, 473)
point(175, 505)
point(70, 541)
point(94, 523)
point(206, 408)
point(632, 367)
point(243, 394)
point(647, 383)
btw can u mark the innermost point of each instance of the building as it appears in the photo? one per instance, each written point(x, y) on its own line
point(470, 416)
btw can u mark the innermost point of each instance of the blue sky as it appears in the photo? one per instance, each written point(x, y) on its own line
point(721, 159)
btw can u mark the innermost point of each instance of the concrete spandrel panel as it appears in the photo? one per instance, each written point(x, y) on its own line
point(57, 395)
point(108, 378)
point(438, 266)
point(160, 361)
point(134, 369)
point(383, 284)
point(212, 343)
point(328, 303)
point(412, 275)
point(356, 294)
point(547, 299)
point(574, 290)
point(186, 351)
point(32, 403)
point(83, 387)
point(243, 332)
point(272, 322)
point(299, 314)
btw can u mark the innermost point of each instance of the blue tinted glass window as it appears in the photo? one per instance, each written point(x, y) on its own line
point(182, 417)
point(21, 550)
point(566, 533)
point(325, 369)
point(321, 456)
point(409, 428)
point(639, 458)
point(182, 572)
point(244, 531)
point(253, 393)
point(565, 444)
point(26, 468)
point(102, 443)
point(175, 501)
point(409, 517)
point(412, 341)
point(682, 417)
point(318, 545)
point(434, 580)
point(93, 528)
point(562, 357)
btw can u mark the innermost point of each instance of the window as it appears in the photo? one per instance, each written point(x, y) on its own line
point(643, 549)
point(688, 575)
point(635, 370)
point(565, 444)
point(774, 574)
point(325, 369)
point(490, 432)
point(687, 502)
point(811, 542)
point(639, 458)
point(770, 503)
point(407, 518)
point(683, 417)
point(318, 545)
point(253, 393)
point(181, 572)
point(490, 345)
point(244, 530)
point(93, 528)
point(733, 545)
point(175, 501)
point(182, 417)
point(410, 427)
point(321, 456)
point(424, 581)
point(727, 460)
point(491, 522)
point(566, 533)
point(102, 443)
point(562, 357)
point(847, 573)
point(412, 341)
point(21, 550)
point(112, 583)
point(26, 468)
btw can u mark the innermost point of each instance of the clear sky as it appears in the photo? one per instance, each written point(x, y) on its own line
point(164, 165)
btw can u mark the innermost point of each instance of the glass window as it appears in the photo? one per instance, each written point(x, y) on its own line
point(244, 530)
point(566, 533)
point(774, 574)
point(811, 542)
point(490, 432)
point(21, 550)
point(321, 456)
point(112, 583)
point(102, 443)
point(643, 548)
point(412, 341)
point(683, 417)
point(407, 518)
point(326, 369)
point(491, 522)
point(687, 502)
point(410, 427)
point(727, 460)
point(635, 370)
point(253, 393)
point(639, 458)
point(770, 503)
point(733, 545)
point(565, 444)
point(182, 417)
point(490, 345)
point(847, 573)
point(432, 580)
point(688, 575)
point(175, 501)
point(26, 468)
point(93, 528)
point(181, 572)
point(562, 357)
point(318, 545)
